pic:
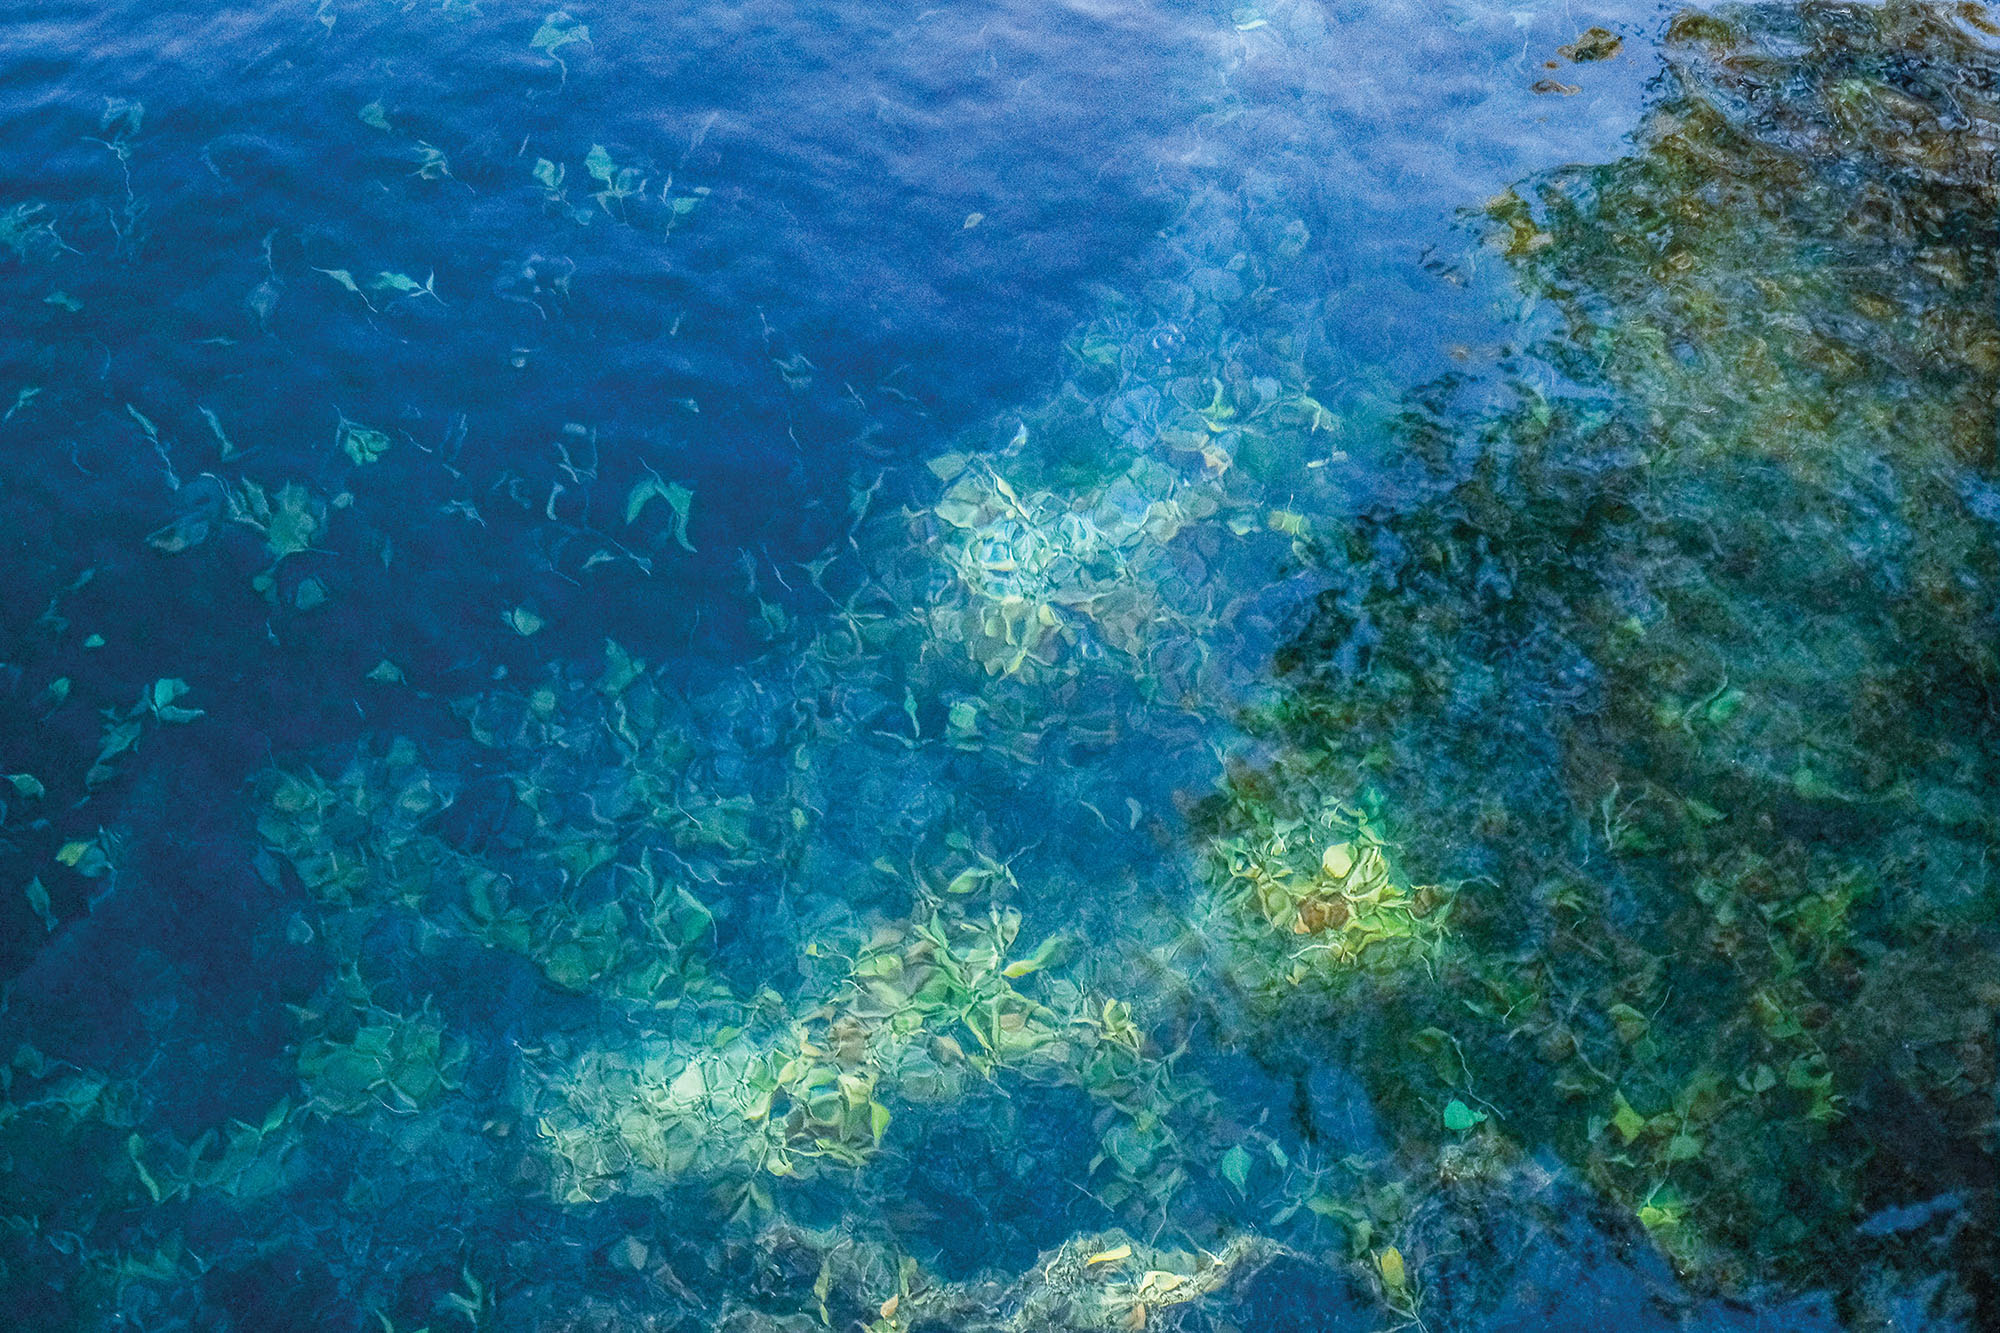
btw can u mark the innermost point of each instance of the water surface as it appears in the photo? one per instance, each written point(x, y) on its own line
point(1031, 666)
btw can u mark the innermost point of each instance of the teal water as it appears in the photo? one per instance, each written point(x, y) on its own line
point(1320, 666)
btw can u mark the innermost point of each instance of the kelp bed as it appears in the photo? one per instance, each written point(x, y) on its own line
point(1055, 928)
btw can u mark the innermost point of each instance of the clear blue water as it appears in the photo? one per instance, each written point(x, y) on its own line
point(587, 588)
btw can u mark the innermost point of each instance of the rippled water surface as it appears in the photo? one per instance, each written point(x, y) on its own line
point(999, 666)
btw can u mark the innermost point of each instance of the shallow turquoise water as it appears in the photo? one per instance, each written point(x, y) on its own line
point(998, 666)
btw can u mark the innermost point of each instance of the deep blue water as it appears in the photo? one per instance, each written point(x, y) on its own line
point(454, 297)
point(832, 159)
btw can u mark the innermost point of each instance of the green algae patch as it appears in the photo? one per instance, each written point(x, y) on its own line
point(1309, 890)
point(928, 1015)
point(361, 1056)
point(1043, 577)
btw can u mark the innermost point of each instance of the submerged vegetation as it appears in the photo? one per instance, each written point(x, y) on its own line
point(1138, 884)
point(1693, 663)
point(1315, 894)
